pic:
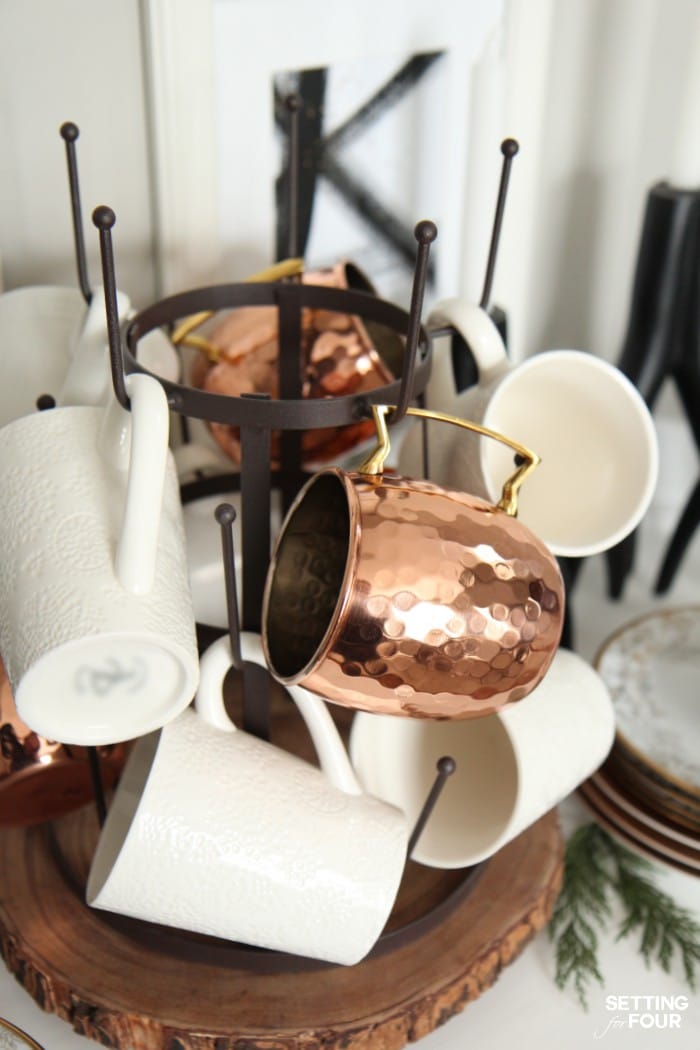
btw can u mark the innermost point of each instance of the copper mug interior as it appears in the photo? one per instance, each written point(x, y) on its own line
point(42, 779)
point(394, 595)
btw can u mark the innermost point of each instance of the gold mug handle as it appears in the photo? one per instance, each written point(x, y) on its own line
point(374, 463)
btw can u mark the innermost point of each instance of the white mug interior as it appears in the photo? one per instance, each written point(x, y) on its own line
point(597, 443)
point(477, 802)
point(512, 766)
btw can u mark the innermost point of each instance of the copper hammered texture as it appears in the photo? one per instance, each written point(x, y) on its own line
point(337, 354)
point(398, 596)
point(42, 779)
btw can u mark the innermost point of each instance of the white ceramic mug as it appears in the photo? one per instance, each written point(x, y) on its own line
point(512, 766)
point(96, 624)
point(52, 343)
point(215, 831)
point(39, 326)
point(581, 415)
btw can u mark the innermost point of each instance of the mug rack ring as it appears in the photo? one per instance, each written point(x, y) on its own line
point(276, 414)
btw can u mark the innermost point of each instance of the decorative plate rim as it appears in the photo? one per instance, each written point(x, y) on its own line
point(636, 809)
point(689, 855)
point(674, 782)
point(8, 1026)
point(628, 840)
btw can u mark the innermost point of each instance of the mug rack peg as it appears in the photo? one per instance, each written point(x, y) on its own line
point(97, 785)
point(509, 147)
point(225, 515)
point(69, 133)
point(425, 233)
point(256, 708)
point(445, 767)
point(104, 219)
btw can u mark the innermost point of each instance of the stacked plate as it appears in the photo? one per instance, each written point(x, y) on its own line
point(14, 1038)
point(648, 790)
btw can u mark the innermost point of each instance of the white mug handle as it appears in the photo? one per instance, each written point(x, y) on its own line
point(209, 704)
point(87, 379)
point(138, 441)
point(478, 331)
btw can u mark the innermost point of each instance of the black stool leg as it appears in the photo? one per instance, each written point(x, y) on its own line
point(685, 530)
point(655, 339)
point(570, 568)
point(620, 562)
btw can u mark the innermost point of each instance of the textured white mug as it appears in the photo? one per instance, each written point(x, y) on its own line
point(580, 414)
point(215, 831)
point(52, 343)
point(39, 326)
point(512, 766)
point(96, 624)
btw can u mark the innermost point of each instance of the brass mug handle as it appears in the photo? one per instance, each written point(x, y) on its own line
point(374, 463)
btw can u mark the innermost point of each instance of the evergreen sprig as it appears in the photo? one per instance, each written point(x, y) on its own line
point(664, 926)
point(595, 866)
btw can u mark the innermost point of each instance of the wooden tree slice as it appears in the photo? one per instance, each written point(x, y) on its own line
point(129, 985)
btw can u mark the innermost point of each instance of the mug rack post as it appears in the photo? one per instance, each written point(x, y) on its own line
point(256, 502)
point(290, 367)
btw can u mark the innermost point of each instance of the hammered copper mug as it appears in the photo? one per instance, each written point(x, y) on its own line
point(394, 595)
point(42, 779)
point(340, 354)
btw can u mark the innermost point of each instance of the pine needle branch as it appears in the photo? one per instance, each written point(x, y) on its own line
point(582, 905)
point(596, 866)
point(665, 928)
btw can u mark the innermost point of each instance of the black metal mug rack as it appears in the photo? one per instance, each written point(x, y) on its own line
point(258, 416)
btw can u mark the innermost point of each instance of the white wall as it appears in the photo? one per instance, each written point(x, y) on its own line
point(604, 96)
point(76, 60)
point(600, 93)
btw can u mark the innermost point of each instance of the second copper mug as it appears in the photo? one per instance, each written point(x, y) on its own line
point(395, 595)
point(42, 779)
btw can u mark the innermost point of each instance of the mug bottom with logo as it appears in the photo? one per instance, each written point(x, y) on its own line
point(106, 688)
